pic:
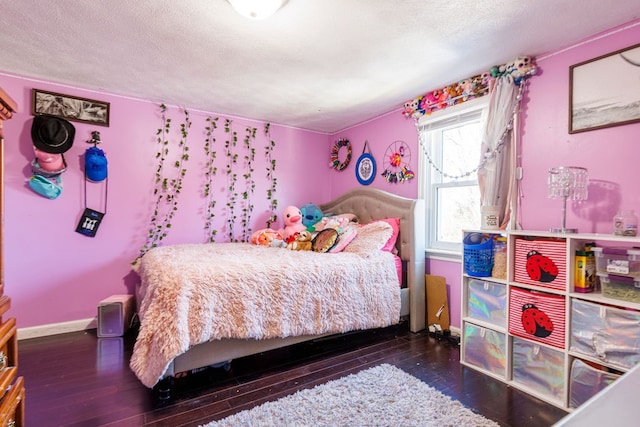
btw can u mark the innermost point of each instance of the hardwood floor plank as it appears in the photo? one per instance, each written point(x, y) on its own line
point(88, 382)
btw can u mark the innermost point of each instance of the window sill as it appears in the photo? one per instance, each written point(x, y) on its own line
point(441, 255)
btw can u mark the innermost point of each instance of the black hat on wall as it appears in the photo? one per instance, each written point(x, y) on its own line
point(52, 134)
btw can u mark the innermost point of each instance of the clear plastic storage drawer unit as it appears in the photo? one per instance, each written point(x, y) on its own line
point(622, 261)
point(485, 349)
point(624, 288)
point(487, 301)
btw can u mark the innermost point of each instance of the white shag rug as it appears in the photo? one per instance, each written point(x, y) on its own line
point(380, 396)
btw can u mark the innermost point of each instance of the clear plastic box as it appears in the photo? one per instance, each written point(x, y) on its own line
point(622, 261)
point(624, 288)
point(488, 301)
point(608, 334)
point(585, 381)
point(539, 368)
point(485, 349)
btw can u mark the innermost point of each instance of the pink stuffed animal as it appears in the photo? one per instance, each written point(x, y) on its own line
point(266, 237)
point(292, 219)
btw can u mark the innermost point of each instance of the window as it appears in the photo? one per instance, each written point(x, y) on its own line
point(450, 146)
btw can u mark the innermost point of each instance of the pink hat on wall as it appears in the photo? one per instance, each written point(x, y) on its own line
point(48, 164)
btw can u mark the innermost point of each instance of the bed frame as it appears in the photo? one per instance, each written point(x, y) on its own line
point(368, 204)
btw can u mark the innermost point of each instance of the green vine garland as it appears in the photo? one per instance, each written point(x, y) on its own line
point(232, 178)
point(271, 169)
point(250, 183)
point(167, 189)
point(168, 183)
point(210, 171)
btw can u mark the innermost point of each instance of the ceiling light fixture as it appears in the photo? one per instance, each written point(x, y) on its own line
point(257, 9)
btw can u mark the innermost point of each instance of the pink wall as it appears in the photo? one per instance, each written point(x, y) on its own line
point(611, 155)
point(54, 274)
point(380, 132)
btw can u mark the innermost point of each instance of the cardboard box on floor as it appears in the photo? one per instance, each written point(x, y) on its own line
point(437, 301)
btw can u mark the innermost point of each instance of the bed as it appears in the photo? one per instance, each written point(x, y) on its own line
point(171, 341)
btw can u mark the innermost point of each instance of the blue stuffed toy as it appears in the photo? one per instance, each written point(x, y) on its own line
point(311, 215)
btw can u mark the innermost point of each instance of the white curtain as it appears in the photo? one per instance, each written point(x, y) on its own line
point(497, 173)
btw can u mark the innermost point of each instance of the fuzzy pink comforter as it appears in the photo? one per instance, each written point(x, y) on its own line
point(199, 292)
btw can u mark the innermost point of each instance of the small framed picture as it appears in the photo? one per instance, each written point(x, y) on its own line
point(366, 169)
point(69, 107)
point(604, 91)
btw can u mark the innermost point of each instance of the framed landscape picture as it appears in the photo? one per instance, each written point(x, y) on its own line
point(605, 91)
point(70, 107)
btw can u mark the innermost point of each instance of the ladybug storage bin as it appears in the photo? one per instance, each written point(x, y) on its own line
point(608, 334)
point(541, 262)
point(485, 349)
point(585, 381)
point(537, 316)
point(487, 301)
point(539, 368)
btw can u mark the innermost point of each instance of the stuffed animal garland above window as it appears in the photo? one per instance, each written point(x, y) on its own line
point(335, 154)
point(473, 87)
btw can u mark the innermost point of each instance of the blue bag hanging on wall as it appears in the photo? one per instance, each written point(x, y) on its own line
point(95, 170)
point(95, 164)
point(49, 188)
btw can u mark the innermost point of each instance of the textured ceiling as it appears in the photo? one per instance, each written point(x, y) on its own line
point(322, 65)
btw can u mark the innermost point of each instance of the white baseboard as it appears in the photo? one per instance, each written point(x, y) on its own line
point(84, 324)
point(57, 328)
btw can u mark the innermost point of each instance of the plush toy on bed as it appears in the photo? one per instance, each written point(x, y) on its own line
point(302, 242)
point(267, 237)
point(292, 218)
point(311, 215)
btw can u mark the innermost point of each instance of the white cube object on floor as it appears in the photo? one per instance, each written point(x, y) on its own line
point(114, 315)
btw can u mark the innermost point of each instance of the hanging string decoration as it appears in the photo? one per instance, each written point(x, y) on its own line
point(489, 155)
point(335, 154)
point(473, 87)
point(396, 163)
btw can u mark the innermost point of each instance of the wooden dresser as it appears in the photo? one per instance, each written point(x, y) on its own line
point(12, 393)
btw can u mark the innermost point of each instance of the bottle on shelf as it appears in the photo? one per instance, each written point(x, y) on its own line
point(625, 223)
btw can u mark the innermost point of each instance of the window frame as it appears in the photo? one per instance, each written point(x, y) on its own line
point(474, 109)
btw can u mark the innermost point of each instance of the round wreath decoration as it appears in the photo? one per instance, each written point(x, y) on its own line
point(335, 157)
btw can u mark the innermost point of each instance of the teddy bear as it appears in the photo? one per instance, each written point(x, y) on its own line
point(454, 94)
point(302, 241)
point(292, 218)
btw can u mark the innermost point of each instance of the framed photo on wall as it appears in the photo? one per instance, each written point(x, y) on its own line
point(605, 91)
point(69, 107)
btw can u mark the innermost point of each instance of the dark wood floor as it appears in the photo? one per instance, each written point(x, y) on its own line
point(77, 379)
